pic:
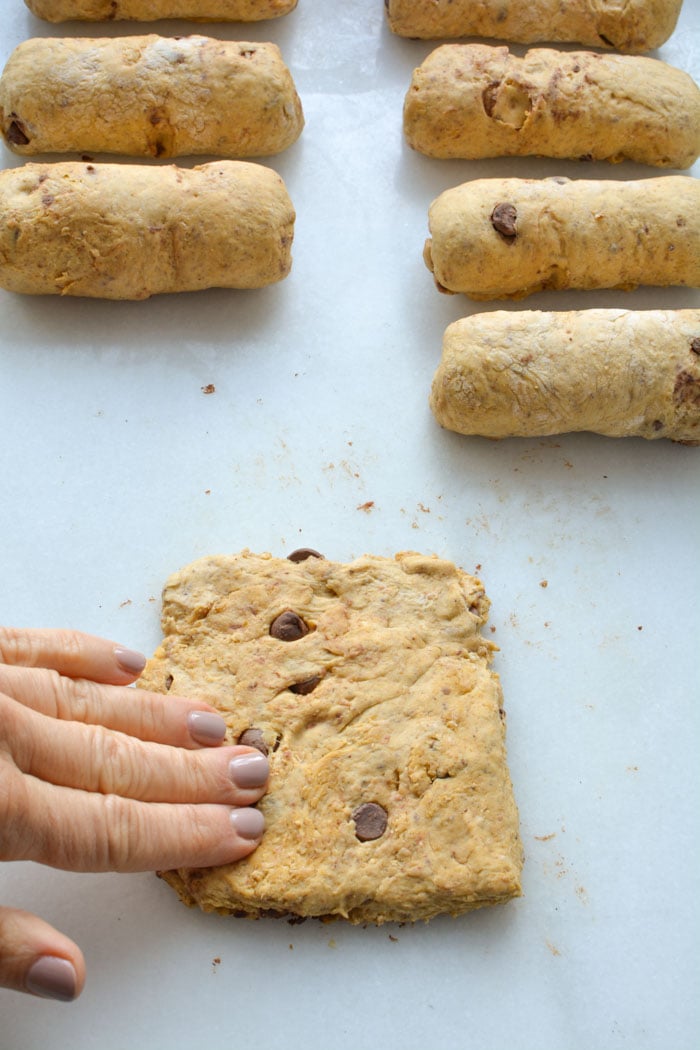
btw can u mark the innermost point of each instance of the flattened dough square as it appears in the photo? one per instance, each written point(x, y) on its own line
point(386, 702)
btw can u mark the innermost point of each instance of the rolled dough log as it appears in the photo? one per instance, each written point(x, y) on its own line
point(507, 238)
point(622, 373)
point(148, 96)
point(153, 10)
point(473, 101)
point(634, 25)
point(129, 231)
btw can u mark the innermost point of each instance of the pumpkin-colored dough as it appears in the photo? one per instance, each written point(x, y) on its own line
point(635, 25)
point(621, 373)
point(148, 96)
point(153, 10)
point(129, 231)
point(473, 101)
point(507, 238)
point(388, 702)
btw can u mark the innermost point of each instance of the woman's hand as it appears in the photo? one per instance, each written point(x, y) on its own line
point(95, 776)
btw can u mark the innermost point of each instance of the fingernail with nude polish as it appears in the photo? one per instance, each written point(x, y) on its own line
point(206, 727)
point(249, 823)
point(249, 771)
point(52, 978)
point(129, 660)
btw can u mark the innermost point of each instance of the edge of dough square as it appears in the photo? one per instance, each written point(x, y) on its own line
point(385, 696)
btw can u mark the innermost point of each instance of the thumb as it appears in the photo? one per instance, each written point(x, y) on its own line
point(37, 959)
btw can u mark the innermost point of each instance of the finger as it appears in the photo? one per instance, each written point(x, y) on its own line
point(148, 716)
point(36, 958)
point(83, 831)
point(93, 758)
point(71, 653)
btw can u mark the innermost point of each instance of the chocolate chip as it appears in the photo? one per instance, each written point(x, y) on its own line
point(503, 219)
point(686, 390)
point(253, 738)
point(695, 345)
point(305, 687)
point(168, 682)
point(302, 554)
point(16, 134)
point(657, 425)
point(370, 821)
point(288, 627)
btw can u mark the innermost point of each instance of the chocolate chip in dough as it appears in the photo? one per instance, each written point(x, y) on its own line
point(370, 821)
point(16, 134)
point(503, 219)
point(305, 687)
point(686, 390)
point(288, 627)
point(253, 738)
point(168, 682)
point(695, 345)
point(302, 554)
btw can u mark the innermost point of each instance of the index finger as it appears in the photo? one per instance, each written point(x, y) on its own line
point(149, 716)
point(71, 653)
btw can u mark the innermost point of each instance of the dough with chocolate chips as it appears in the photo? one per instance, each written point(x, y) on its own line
point(508, 238)
point(634, 25)
point(129, 231)
point(390, 798)
point(473, 101)
point(148, 96)
point(621, 373)
point(153, 10)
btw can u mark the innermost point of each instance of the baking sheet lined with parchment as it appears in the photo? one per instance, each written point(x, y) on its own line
point(138, 436)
